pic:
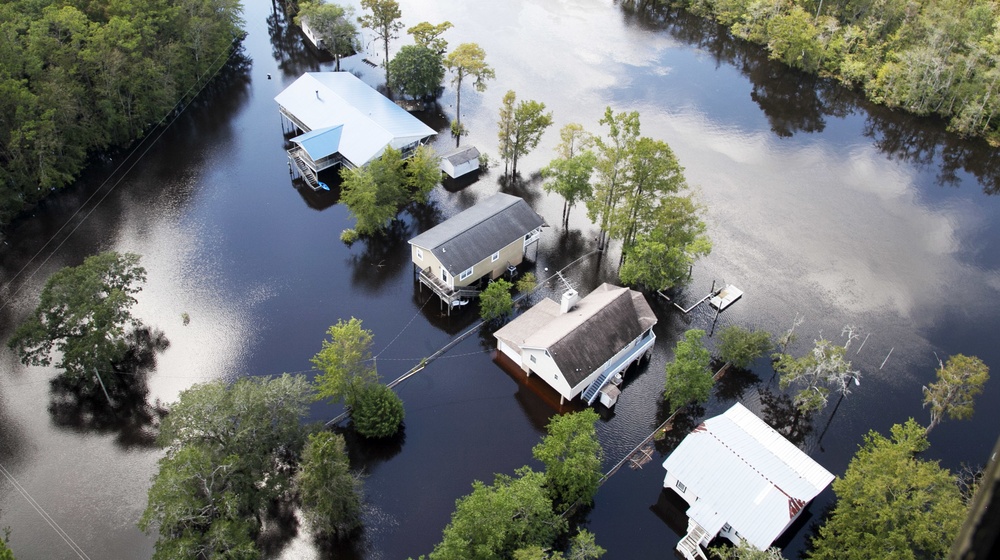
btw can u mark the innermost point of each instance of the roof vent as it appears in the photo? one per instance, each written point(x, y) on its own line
point(569, 299)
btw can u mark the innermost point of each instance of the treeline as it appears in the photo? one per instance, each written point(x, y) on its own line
point(80, 76)
point(928, 57)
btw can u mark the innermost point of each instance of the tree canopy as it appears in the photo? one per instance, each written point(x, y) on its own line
point(891, 504)
point(495, 301)
point(740, 346)
point(569, 173)
point(84, 317)
point(230, 449)
point(80, 77)
point(662, 255)
point(377, 412)
point(468, 59)
point(417, 72)
point(330, 492)
point(344, 362)
point(689, 379)
point(426, 34)
point(375, 192)
point(824, 365)
point(521, 128)
point(572, 456)
point(953, 394)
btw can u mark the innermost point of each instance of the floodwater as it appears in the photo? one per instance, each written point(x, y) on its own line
point(820, 207)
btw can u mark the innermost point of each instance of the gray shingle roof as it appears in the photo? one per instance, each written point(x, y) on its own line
point(476, 233)
point(462, 155)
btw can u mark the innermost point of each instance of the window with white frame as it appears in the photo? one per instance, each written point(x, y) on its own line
point(681, 487)
point(533, 359)
point(495, 257)
point(465, 274)
point(420, 254)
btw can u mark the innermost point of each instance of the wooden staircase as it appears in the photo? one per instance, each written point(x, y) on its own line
point(295, 156)
point(689, 547)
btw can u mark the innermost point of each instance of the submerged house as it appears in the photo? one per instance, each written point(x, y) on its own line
point(343, 121)
point(742, 480)
point(578, 346)
point(487, 240)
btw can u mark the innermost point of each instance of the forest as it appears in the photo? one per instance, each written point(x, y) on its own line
point(80, 77)
point(927, 57)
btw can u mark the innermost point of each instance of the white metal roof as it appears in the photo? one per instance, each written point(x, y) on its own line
point(370, 120)
point(746, 474)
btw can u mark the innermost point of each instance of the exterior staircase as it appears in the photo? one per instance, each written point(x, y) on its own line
point(689, 547)
point(308, 175)
point(590, 395)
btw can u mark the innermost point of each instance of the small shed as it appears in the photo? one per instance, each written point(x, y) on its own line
point(742, 479)
point(460, 161)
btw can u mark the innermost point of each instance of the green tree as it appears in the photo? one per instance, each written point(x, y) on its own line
point(652, 173)
point(582, 547)
point(740, 346)
point(345, 363)
point(334, 26)
point(426, 34)
point(417, 72)
point(84, 316)
point(383, 20)
point(826, 364)
point(468, 59)
point(569, 174)
point(377, 412)
point(689, 379)
point(494, 521)
point(495, 301)
point(330, 493)
point(613, 155)
point(572, 456)
point(5, 552)
point(521, 128)
point(229, 453)
point(891, 504)
point(662, 256)
point(953, 394)
point(374, 193)
point(526, 283)
point(423, 173)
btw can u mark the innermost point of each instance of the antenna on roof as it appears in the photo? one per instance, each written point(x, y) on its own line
point(567, 283)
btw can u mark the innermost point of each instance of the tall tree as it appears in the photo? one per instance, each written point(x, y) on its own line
point(345, 362)
point(661, 257)
point(468, 59)
point(953, 394)
point(334, 24)
point(569, 173)
point(417, 72)
point(374, 193)
point(383, 20)
point(426, 34)
point(495, 301)
point(230, 452)
point(84, 317)
point(613, 154)
point(740, 346)
point(651, 174)
point(572, 456)
point(330, 492)
point(689, 379)
point(891, 504)
point(521, 128)
point(494, 521)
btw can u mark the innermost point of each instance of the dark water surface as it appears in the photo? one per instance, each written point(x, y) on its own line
point(819, 206)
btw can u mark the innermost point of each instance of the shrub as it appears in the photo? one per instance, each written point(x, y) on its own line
point(378, 411)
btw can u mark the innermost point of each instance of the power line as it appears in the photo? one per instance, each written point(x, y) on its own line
point(48, 518)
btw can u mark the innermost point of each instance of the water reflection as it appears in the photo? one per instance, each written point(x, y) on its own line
point(780, 412)
point(734, 383)
point(381, 258)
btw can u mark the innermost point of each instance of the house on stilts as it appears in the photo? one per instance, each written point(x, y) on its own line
point(743, 481)
point(343, 121)
point(579, 346)
point(487, 240)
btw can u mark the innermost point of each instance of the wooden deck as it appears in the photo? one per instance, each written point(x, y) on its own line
point(449, 295)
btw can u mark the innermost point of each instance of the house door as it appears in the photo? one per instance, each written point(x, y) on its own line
point(444, 275)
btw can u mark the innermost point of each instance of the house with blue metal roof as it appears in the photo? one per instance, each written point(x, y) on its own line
point(343, 121)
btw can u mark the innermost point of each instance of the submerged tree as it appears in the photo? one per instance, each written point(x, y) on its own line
point(345, 362)
point(330, 492)
point(417, 72)
point(521, 128)
point(84, 317)
point(612, 163)
point(891, 504)
point(825, 365)
point(423, 173)
point(572, 456)
point(495, 301)
point(383, 19)
point(468, 59)
point(373, 193)
point(953, 394)
point(661, 257)
point(740, 346)
point(689, 379)
point(377, 412)
point(334, 26)
point(569, 174)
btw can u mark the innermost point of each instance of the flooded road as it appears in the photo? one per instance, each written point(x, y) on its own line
point(819, 206)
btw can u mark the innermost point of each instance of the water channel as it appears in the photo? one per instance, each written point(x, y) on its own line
point(819, 205)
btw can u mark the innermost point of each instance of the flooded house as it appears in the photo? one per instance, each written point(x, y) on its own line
point(742, 480)
point(485, 241)
point(580, 346)
point(341, 120)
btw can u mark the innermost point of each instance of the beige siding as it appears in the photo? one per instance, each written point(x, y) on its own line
point(512, 253)
point(429, 260)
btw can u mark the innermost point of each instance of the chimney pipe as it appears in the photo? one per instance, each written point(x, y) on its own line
point(569, 299)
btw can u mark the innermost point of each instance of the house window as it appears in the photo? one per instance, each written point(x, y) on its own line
point(726, 528)
point(681, 487)
point(420, 254)
point(533, 359)
point(495, 257)
point(465, 274)
point(444, 275)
